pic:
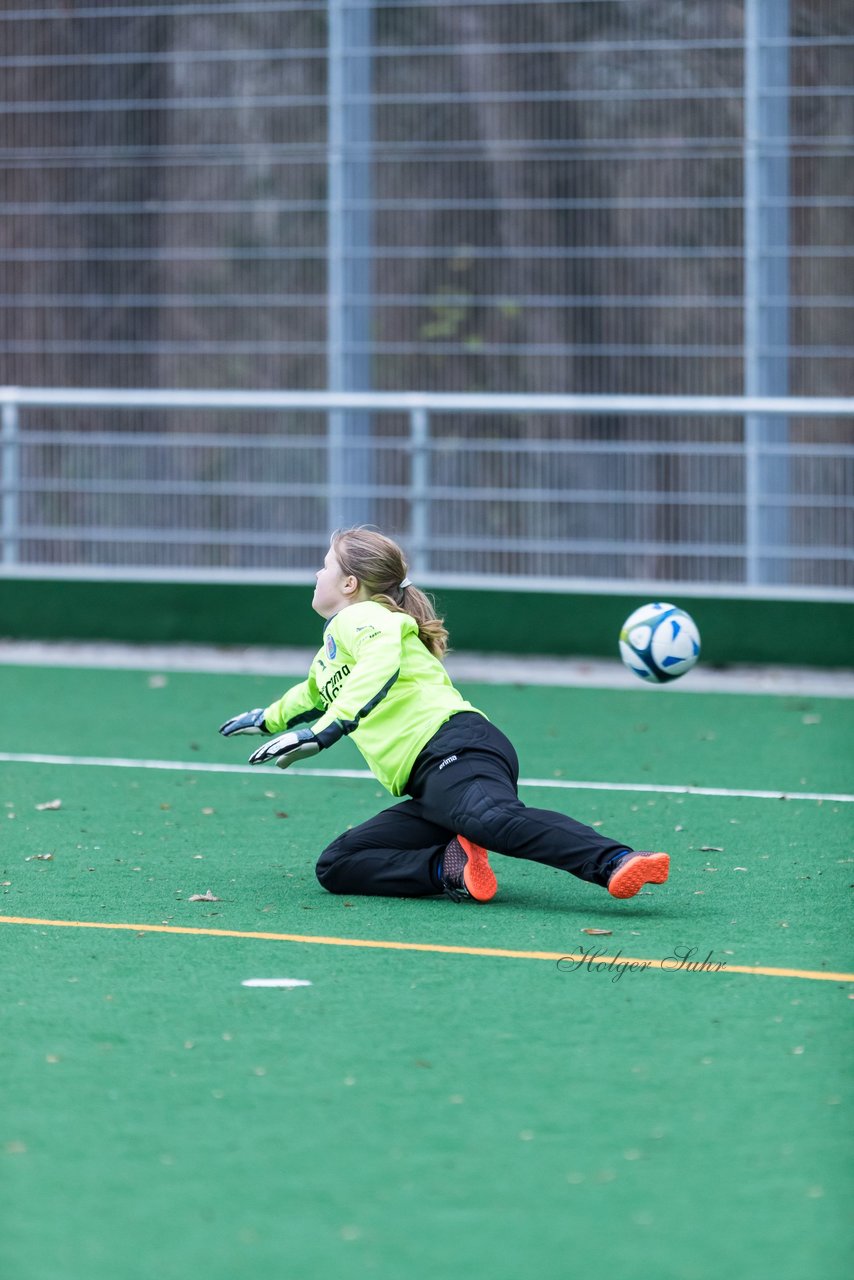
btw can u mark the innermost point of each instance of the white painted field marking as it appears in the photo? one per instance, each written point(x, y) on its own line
point(275, 982)
point(560, 784)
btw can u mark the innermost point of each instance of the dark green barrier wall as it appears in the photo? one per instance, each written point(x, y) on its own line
point(491, 621)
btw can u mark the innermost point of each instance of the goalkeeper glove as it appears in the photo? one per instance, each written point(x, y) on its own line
point(285, 748)
point(246, 722)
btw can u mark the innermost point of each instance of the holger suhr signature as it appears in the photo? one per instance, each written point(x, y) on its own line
point(597, 960)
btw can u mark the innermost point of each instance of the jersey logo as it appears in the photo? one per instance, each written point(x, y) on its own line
point(447, 760)
point(331, 648)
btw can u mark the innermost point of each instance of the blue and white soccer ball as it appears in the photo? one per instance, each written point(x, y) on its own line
point(659, 642)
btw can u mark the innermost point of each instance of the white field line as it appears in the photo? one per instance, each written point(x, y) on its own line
point(561, 784)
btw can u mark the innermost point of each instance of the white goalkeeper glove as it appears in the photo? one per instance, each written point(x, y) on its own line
point(285, 748)
point(246, 722)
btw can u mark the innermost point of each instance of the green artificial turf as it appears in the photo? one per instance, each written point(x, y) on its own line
point(414, 1113)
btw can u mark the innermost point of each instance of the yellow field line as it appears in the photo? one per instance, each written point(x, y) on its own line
point(580, 958)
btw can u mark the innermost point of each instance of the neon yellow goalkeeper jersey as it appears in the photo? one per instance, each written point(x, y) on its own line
point(375, 680)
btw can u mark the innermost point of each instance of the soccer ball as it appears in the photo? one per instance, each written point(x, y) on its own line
point(659, 642)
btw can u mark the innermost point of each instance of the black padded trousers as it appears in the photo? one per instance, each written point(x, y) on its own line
point(464, 782)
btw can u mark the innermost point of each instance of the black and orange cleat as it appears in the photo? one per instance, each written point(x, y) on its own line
point(466, 872)
point(634, 870)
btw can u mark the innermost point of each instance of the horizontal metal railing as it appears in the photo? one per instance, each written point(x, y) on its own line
point(729, 492)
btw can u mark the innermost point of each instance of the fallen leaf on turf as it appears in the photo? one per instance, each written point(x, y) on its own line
point(203, 897)
point(39, 857)
point(711, 848)
point(280, 814)
point(49, 804)
point(604, 932)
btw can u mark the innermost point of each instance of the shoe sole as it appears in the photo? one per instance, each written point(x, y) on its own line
point(636, 872)
point(478, 876)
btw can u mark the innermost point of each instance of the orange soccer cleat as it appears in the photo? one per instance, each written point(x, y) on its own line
point(466, 872)
point(634, 870)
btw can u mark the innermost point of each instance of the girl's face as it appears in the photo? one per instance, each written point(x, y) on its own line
point(334, 589)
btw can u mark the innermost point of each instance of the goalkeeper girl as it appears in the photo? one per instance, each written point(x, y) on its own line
point(379, 678)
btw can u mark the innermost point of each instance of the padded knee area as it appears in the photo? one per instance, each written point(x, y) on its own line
point(328, 865)
point(485, 820)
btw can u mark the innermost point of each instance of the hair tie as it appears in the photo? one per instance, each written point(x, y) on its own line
point(405, 583)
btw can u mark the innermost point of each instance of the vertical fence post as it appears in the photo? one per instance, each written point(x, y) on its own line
point(766, 283)
point(349, 236)
point(419, 432)
point(11, 446)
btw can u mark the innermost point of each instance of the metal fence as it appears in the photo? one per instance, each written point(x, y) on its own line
point(715, 492)
point(582, 196)
point(507, 198)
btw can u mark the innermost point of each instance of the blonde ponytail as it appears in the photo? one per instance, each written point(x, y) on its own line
point(379, 565)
